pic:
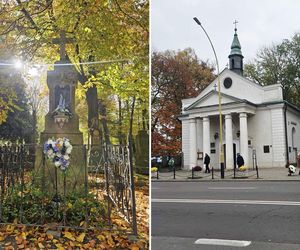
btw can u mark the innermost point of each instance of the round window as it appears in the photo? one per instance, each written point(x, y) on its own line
point(227, 82)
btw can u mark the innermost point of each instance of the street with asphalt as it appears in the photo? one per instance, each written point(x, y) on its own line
point(226, 215)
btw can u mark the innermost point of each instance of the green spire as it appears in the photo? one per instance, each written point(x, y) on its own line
point(235, 46)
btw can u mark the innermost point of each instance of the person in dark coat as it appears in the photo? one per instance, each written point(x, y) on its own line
point(206, 163)
point(240, 160)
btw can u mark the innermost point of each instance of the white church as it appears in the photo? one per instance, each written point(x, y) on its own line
point(257, 121)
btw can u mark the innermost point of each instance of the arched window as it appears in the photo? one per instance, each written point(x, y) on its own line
point(232, 63)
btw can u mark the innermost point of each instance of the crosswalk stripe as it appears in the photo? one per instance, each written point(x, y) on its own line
point(221, 242)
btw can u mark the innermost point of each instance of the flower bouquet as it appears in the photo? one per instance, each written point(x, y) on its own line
point(292, 170)
point(59, 152)
point(154, 169)
point(242, 168)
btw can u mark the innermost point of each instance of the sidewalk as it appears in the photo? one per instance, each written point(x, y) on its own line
point(265, 174)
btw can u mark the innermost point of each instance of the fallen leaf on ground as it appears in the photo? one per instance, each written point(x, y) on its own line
point(69, 236)
point(80, 238)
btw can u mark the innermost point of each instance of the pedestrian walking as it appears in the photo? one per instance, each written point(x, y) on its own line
point(240, 160)
point(206, 163)
point(171, 163)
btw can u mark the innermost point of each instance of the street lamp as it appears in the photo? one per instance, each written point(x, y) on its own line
point(220, 107)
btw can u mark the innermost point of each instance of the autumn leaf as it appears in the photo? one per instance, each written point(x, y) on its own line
point(134, 247)
point(59, 247)
point(110, 240)
point(19, 240)
point(80, 238)
point(101, 237)
point(21, 246)
point(41, 246)
point(10, 228)
point(69, 236)
point(50, 236)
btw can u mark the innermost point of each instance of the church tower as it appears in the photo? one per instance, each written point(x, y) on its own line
point(236, 57)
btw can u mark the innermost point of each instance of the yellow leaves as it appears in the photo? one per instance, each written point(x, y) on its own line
point(69, 236)
point(10, 228)
point(2, 238)
point(69, 205)
point(49, 236)
point(19, 240)
point(110, 241)
point(101, 237)
point(87, 30)
point(24, 235)
point(59, 246)
point(41, 246)
point(80, 238)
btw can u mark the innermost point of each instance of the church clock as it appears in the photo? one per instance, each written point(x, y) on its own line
point(227, 82)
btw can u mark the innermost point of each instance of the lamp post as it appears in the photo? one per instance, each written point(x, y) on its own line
point(220, 107)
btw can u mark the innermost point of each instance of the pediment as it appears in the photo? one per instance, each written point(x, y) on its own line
point(211, 99)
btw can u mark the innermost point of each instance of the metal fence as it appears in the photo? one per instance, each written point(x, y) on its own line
point(34, 192)
point(214, 174)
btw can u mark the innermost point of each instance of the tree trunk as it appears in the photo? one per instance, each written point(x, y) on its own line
point(120, 119)
point(145, 120)
point(34, 127)
point(92, 102)
point(102, 111)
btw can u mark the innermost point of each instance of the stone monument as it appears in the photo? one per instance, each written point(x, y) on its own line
point(62, 121)
point(142, 147)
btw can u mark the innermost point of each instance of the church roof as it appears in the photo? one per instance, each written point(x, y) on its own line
point(235, 46)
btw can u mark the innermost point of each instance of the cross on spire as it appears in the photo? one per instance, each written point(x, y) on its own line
point(62, 41)
point(235, 22)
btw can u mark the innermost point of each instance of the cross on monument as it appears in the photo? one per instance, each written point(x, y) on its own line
point(62, 41)
point(215, 86)
point(235, 22)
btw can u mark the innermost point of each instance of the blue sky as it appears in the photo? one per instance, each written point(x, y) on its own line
point(261, 23)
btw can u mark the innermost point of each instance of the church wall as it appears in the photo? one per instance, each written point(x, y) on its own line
point(185, 143)
point(260, 134)
point(199, 139)
point(293, 123)
point(272, 93)
point(278, 137)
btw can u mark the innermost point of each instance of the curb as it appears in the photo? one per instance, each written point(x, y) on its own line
point(229, 180)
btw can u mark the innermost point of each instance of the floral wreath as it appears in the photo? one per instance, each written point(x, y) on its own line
point(59, 152)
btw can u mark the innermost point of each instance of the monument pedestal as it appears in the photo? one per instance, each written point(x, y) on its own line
point(62, 121)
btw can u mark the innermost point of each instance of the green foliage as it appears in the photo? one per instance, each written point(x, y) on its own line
point(7, 99)
point(101, 31)
point(279, 64)
point(18, 122)
point(35, 206)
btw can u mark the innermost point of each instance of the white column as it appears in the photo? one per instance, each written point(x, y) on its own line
point(206, 136)
point(193, 143)
point(229, 142)
point(244, 137)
